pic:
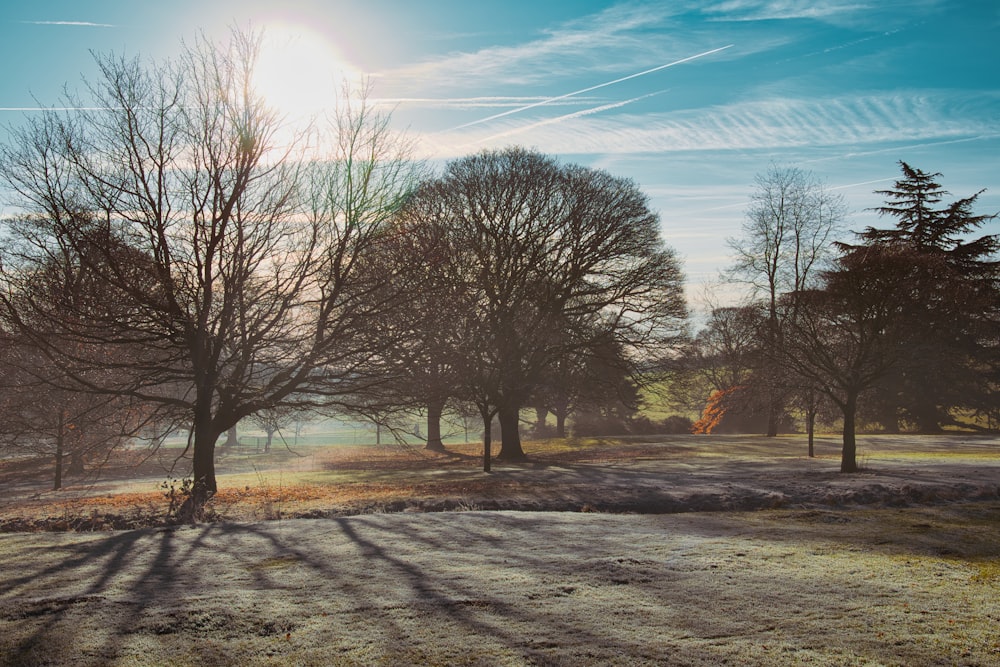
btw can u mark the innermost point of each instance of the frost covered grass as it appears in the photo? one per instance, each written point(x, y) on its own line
point(897, 565)
point(901, 586)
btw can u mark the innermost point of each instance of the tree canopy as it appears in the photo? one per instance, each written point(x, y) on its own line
point(550, 259)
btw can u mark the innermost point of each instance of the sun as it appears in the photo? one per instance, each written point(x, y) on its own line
point(299, 72)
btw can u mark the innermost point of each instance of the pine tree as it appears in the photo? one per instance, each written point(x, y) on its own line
point(958, 279)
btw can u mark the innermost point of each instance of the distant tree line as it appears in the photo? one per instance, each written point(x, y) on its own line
point(900, 328)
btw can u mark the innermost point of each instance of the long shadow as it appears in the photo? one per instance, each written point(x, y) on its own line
point(457, 604)
point(154, 565)
point(477, 614)
point(142, 571)
point(167, 556)
point(116, 553)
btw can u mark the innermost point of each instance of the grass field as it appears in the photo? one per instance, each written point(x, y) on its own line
point(644, 474)
point(642, 551)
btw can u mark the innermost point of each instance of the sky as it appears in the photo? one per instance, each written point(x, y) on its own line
point(689, 99)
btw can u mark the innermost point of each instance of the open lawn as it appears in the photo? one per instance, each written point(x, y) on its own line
point(636, 552)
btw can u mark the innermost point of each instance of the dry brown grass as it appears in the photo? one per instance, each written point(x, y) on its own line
point(641, 474)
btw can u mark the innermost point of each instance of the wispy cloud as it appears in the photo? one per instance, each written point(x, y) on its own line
point(769, 10)
point(984, 136)
point(849, 122)
point(481, 102)
point(81, 24)
point(611, 40)
point(866, 14)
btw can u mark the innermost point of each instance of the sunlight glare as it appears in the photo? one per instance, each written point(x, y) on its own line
point(299, 72)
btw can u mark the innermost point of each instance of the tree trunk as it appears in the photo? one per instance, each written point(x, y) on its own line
point(434, 410)
point(848, 456)
point(76, 464)
point(541, 413)
point(927, 420)
point(561, 424)
point(487, 415)
point(270, 438)
point(811, 430)
point(203, 468)
point(510, 437)
point(60, 439)
point(772, 417)
point(775, 409)
point(773, 337)
point(232, 438)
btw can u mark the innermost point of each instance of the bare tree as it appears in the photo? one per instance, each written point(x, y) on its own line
point(787, 234)
point(724, 356)
point(585, 381)
point(541, 249)
point(271, 421)
point(851, 333)
point(75, 431)
point(244, 289)
point(45, 410)
point(427, 362)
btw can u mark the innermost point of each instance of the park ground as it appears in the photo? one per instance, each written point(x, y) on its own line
point(688, 550)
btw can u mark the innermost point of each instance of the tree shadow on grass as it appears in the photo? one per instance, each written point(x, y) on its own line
point(159, 584)
point(386, 584)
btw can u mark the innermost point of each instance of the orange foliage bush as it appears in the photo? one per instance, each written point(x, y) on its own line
point(715, 410)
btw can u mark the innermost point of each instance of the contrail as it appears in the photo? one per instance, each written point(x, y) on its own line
point(40, 109)
point(894, 149)
point(854, 185)
point(575, 114)
point(587, 90)
point(84, 24)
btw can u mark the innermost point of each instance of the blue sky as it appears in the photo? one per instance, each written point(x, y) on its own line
point(690, 99)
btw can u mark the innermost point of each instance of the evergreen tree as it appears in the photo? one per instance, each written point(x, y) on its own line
point(959, 283)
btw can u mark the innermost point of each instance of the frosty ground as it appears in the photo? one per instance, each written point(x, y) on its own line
point(897, 565)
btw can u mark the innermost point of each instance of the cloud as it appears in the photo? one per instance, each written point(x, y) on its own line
point(896, 149)
point(849, 121)
point(83, 24)
point(611, 40)
point(769, 10)
point(866, 15)
point(479, 102)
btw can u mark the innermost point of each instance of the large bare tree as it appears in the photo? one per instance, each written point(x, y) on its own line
point(244, 285)
point(427, 365)
point(551, 258)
